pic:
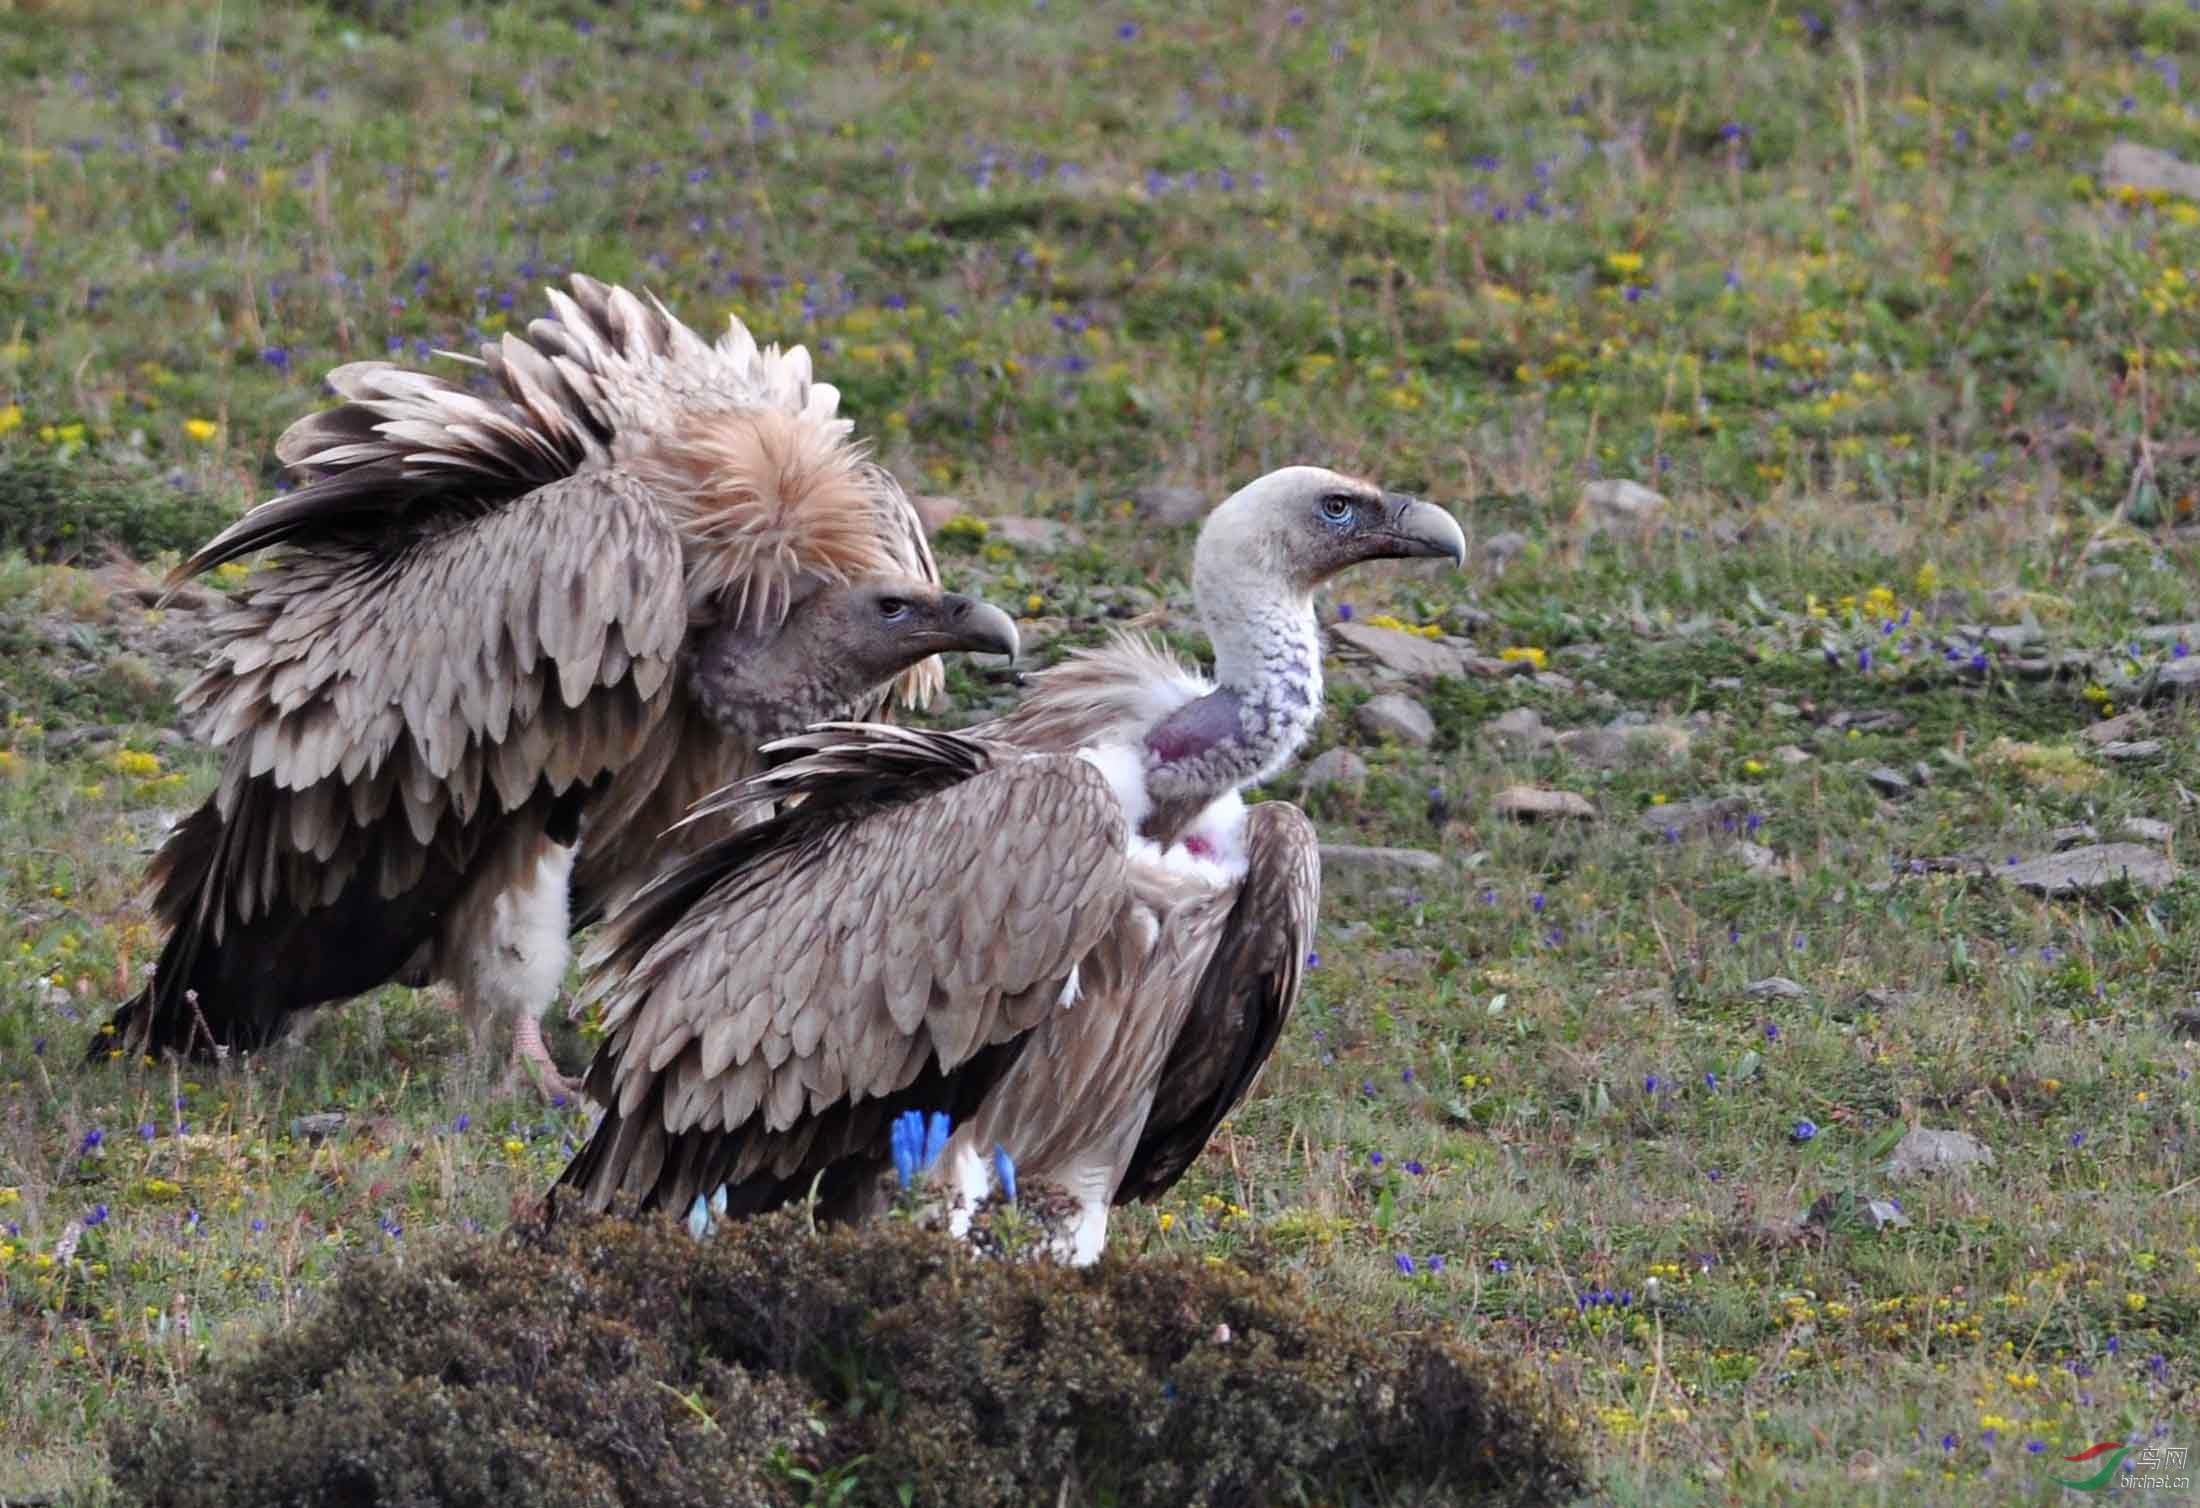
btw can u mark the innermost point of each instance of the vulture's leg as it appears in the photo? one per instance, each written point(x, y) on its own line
point(1087, 1236)
point(510, 958)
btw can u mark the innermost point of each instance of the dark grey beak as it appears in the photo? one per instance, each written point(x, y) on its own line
point(978, 627)
point(1422, 529)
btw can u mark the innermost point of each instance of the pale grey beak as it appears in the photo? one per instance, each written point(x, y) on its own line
point(979, 627)
point(1424, 529)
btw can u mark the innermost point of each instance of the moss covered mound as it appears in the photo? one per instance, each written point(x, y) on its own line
point(604, 1362)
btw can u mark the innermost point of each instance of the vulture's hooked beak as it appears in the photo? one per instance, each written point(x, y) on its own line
point(1417, 528)
point(977, 627)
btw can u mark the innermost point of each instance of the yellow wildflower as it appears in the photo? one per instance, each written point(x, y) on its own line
point(1528, 652)
point(201, 430)
point(2135, 1302)
point(513, 1146)
point(1753, 767)
point(1928, 577)
point(1625, 263)
point(1034, 602)
point(11, 417)
point(1167, 1222)
point(135, 762)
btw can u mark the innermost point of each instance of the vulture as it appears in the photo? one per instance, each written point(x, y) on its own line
point(503, 641)
point(1064, 929)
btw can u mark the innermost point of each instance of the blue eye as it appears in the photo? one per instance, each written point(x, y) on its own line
point(1336, 508)
point(893, 609)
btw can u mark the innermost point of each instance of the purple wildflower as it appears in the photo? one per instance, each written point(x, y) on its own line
point(1805, 1130)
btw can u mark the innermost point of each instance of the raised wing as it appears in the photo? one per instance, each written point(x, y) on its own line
point(385, 703)
point(774, 1001)
point(1242, 1000)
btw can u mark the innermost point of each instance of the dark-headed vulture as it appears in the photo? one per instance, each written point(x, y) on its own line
point(504, 639)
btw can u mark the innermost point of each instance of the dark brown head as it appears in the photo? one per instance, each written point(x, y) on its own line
point(836, 653)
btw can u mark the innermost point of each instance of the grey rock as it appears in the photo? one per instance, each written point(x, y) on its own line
point(1727, 683)
point(2145, 830)
point(2012, 635)
point(1778, 987)
point(1046, 535)
point(1791, 756)
point(1551, 680)
point(1528, 803)
point(1757, 858)
point(2185, 1022)
point(1169, 506)
point(1502, 549)
point(1496, 668)
point(2102, 572)
point(2111, 730)
point(2147, 169)
point(61, 740)
point(2072, 836)
point(1627, 738)
point(1880, 1214)
point(2136, 751)
point(1466, 618)
point(1924, 1150)
point(1712, 816)
point(2083, 871)
point(2179, 680)
point(1352, 863)
point(1880, 1000)
point(1408, 654)
point(1623, 502)
point(1399, 717)
point(1888, 782)
point(319, 1127)
point(1522, 728)
point(2169, 633)
point(1335, 769)
point(1921, 773)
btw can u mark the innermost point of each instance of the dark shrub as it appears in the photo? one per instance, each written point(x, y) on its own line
point(56, 512)
point(604, 1362)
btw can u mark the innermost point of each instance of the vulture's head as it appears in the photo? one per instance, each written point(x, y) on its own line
point(1302, 525)
point(834, 656)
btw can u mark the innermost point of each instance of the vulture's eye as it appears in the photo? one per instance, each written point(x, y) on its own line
point(892, 609)
point(1336, 508)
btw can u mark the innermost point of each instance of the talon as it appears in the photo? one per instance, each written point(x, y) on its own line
point(531, 1061)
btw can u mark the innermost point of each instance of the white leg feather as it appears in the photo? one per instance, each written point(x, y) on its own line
point(516, 968)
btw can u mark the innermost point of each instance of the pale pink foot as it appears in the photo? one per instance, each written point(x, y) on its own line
point(531, 1061)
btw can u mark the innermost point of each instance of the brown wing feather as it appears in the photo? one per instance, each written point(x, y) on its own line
point(772, 1006)
point(387, 705)
point(1243, 999)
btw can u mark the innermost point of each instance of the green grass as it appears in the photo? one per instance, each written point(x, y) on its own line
point(1886, 331)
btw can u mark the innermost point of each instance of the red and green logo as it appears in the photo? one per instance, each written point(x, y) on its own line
point(2107, 1474)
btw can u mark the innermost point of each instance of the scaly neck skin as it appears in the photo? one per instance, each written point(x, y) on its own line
point(1267, 699)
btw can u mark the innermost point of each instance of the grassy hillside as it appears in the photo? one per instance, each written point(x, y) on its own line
point(1845, 284)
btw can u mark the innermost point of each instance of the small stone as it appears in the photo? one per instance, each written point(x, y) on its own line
point(1046, 535)
point(1490, 667)
point(2111, 730)
point(2185, 1022)
point(1879, 1000)
point(934, 512)
point(1466, 618)
point(1727, 683)
point(2072, 836)
point(1927, 1151)
point(1408, 654)
point(2178, 680)
point(61, 740)
point(1398, 717)
point(2170, 633)
point(319, 1127)
point(1888, 782)
point(1350, 863)
point(1757, 858)
point(1528, 803)
point(1522, 728)
point(1551, 680)
point(1502, 549)
point(1921, 773)
point(2145, 830)
point(2084, 871)
point(1703, 818)
point(1882, 1213)
point(2147, 169)
point(1169, 506)
point(1778, 987)
point(2101, 573)
point(2012, 636)
point(2136, 751)
point(1790, 755)
point(1623, 502)
point(1335, 769)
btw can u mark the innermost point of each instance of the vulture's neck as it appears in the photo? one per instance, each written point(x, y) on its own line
point(1268, 694)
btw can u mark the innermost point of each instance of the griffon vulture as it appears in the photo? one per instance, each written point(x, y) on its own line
point(1064, 929)
point(499, 630)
